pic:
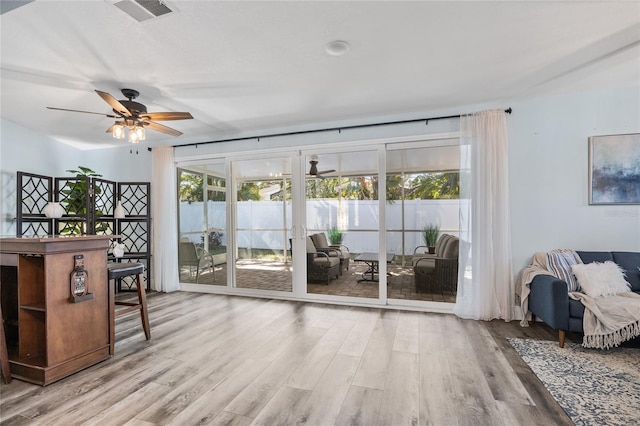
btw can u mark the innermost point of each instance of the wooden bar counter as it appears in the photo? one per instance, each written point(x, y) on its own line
point(52, 334)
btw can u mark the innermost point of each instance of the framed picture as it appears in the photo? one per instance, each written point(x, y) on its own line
point(614, 169)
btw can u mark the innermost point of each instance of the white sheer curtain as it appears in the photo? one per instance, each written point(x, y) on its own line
point(164, 220)
point(485, 281)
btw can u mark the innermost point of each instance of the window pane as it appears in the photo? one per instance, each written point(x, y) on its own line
point(202, 249)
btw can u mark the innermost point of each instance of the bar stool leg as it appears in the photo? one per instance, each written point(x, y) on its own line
point(120, 270)
point(112, 316)
point(144, 315)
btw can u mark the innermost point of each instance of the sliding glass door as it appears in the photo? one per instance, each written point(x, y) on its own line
point(202, 246)
point(422, 195)
point(262, 221)
point(310, 223)
point(342, 220)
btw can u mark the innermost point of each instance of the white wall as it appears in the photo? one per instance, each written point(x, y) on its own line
point(28, 151)
point(548, 142)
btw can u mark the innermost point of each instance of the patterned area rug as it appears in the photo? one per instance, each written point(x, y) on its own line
point(594, 387)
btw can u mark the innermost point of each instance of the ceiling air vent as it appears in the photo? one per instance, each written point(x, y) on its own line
point(141, 10)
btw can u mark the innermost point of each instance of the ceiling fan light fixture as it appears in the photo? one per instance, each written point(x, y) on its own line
point(133, 136)
point(139, 130)
point(118, 130)
point(134, 116)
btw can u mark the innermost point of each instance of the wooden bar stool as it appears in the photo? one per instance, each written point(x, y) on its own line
point(121, 270)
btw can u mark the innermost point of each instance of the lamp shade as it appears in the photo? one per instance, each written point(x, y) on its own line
point(118, 130)
point(140, 132)
point(119, 212)
point(133, 136)
point(53, 209)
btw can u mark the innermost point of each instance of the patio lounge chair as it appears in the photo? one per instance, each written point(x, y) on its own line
point(190, 255)
point(422, 251)
point(440, 270)
point(341, 252)
point(320, 266)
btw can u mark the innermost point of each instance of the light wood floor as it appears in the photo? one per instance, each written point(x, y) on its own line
point(234, 360)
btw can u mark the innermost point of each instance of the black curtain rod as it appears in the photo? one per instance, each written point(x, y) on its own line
point(339, 129)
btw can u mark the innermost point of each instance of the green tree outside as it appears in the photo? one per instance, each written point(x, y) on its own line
point(426, 186)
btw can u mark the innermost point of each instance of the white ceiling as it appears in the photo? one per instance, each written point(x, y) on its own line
point(247, 68)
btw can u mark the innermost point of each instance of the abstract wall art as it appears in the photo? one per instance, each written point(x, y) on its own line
point(614, 169)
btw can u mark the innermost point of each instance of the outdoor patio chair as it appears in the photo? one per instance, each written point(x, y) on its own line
point(438, 272)
point(422, 251)
point(320, 266)
point(341, 252)
point(192, 256)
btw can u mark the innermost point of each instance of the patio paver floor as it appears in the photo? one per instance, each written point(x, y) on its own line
point(276, 276)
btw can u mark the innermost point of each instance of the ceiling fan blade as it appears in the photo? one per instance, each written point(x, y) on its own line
point(326, 171)
point(110, 129)
point(161, 128)
point(114, 103)
point(84, 112)
point(166, 116)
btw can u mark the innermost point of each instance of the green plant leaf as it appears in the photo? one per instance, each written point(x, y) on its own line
point(430, 234)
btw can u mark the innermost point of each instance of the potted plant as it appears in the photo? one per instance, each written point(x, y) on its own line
point(335, 236)
point(430, 236)
point(75, 200)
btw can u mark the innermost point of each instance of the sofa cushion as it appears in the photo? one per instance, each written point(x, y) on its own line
point(630, 262)
point(425, 265)
point(594, 256)
point(559, 263)
point(601, 279)
point(326, 262)
point(575, 324)
point(320, 240)
point(451, 249)
point(576, 308)
point(441, 244)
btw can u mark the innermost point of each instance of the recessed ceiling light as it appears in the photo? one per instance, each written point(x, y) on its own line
point(337, 47)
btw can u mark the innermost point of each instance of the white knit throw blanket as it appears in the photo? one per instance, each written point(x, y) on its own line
point(609, 320)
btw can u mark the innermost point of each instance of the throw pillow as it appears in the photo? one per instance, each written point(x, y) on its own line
point(601, 279)
point(559, 263)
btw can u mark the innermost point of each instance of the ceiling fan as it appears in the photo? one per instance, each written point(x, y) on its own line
point(313, 171)
point(134, 116)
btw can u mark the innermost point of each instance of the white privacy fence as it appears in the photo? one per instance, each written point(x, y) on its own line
point(262, 224)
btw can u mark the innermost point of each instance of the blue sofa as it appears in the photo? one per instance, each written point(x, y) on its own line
point(549, 298)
